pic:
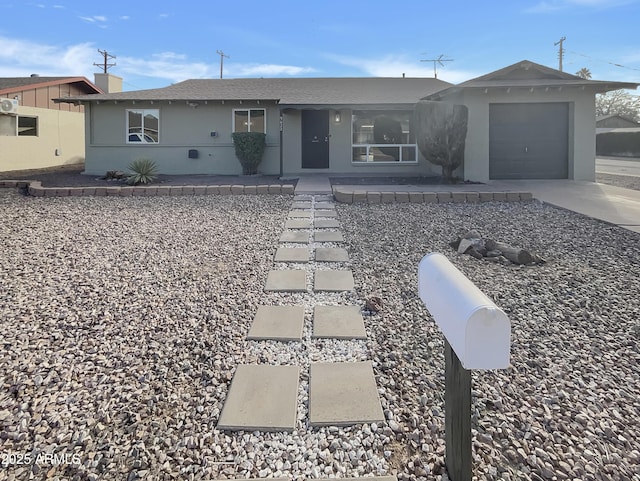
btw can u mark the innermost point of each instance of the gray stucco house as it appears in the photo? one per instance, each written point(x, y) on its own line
point(525, 121)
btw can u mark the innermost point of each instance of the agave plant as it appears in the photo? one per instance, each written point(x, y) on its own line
point(144, 172)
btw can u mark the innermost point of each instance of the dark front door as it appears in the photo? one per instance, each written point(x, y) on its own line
point(315, 139)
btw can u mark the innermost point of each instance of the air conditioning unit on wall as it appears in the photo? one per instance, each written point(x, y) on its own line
point(9, 106)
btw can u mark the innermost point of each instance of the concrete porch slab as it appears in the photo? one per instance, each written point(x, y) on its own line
point(326, 224)
point(343, 394)
point(330, 236)
point(298, 224)
point(280, 323)
point(333, 281)
point(338, 322)
point(290, 280)
point(298, 237)
point(261, 398)
point(286, 254)
point(331, 254)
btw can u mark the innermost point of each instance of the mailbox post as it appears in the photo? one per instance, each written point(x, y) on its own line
point(477, 336)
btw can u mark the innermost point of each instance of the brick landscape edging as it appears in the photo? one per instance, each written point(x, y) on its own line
point(375, 197)
point(35, 189)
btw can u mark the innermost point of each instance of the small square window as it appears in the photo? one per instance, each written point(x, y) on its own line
point(27, 126)
point(249, 120)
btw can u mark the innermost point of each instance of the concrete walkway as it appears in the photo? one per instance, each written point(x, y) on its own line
point(264, 397)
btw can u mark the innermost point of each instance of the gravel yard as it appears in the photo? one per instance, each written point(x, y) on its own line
point(123, 320)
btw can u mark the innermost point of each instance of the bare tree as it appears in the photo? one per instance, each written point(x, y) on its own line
point(618, 102)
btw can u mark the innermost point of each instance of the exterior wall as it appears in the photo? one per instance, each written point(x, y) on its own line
point(60, 141)
point(340, 151)
point(581, 127)
point(41, 97)
point(181, 128)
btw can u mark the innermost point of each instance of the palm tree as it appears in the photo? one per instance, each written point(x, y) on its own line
point(584, 73)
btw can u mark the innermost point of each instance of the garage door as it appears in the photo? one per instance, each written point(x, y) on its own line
point(529, 141)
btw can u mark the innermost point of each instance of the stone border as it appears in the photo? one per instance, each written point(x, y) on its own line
point(35, 189)
point(374, 197)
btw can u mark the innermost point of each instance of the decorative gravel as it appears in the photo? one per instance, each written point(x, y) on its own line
point(123, 321)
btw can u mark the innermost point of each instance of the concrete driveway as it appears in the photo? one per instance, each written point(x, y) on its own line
point(601, 201)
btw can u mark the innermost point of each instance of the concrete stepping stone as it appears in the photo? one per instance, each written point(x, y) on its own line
point(279, 323)
point(326, 213)
point(374, 478)
point(343, 394)
point(300, 214)
point(289, 280)
point(326, 224)
point(302, 197)
point(325, 205)
point(333, 281)
point(330, 236)
point(261, 398)
point(301, 205)
point(293, 254)
point(338, 322)
point(331, 254)
point(298, 237)
point(298, 224)
point(323, 198)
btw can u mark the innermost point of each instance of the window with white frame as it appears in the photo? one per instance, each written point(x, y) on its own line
point(143, 126)
point(250, 120)
point(383, 136)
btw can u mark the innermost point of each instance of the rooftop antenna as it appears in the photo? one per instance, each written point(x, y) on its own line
point(436, 62)
point(222, 56)
point(105, 63)
point(560, 51)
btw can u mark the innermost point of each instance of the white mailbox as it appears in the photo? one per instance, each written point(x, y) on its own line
point(477, 330)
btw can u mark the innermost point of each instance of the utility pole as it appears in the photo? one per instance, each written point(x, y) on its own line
point(436, 62)
point(222, 56)
point(105, 65)
point(560, 51)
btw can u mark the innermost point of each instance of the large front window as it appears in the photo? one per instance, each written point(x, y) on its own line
point(249, 120)
point(143, 126)
point(383, 136)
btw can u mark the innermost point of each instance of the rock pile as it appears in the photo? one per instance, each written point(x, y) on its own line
point(490, 250)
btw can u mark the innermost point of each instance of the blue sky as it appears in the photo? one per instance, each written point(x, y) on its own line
point(160, 42)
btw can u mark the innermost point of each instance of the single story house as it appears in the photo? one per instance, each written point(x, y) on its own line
point(617, 136)
point(525, 121)
point(35, 131)
point(604, 123)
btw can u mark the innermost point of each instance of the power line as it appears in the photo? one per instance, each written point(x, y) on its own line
point(604, 61)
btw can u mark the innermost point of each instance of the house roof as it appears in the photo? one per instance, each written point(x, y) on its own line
point(624, 118)
point(294, 92)
point(15, 84)
point(530, 75)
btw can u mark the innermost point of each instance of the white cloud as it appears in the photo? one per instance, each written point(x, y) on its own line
point(396, 65)
point(547, 6)
point(94, 19)
point(268, 70)
point(167, 65)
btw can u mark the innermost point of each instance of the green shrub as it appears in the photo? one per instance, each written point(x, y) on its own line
point(249, 150)
point(143, 172)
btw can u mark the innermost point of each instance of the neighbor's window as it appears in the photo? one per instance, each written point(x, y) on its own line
point(383, 136)
point(249, 120)
point(28, 126)
point(143, 126)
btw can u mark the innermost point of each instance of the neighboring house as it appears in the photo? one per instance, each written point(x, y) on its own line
point(615, 121)
point(617, 136)
point(35, 131)
point(525, 121)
